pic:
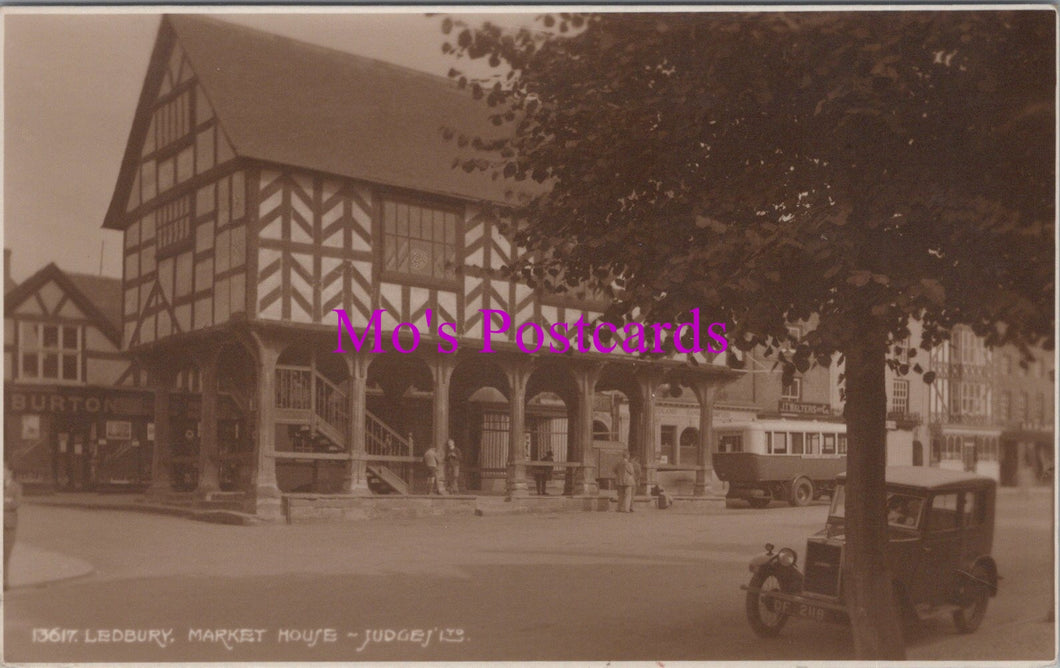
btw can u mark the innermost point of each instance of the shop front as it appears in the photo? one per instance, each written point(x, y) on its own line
point(82, 438)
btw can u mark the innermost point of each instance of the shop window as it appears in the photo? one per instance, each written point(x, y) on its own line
point(50, 352)
point(419, 241)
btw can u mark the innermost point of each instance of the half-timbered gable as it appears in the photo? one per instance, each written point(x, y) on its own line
point(62, 329)
point(282, 181)
point(181, 202)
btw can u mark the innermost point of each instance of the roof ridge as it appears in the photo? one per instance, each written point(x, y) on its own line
point(324, 50)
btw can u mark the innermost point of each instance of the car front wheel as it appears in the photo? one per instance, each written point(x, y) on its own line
point(973, 598)
point(762, 613)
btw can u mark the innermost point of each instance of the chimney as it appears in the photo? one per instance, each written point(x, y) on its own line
point(9, 283)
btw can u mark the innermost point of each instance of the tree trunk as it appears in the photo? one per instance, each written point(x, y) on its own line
point(867, 581)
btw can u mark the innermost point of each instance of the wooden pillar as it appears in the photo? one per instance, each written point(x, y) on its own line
point(209, 479)
point(585, 379)
point(355, 480)
point(442, 373)
point(518, 373)
point(161, 380)
point(648, 381)
point(267, 496)
point(705, 391)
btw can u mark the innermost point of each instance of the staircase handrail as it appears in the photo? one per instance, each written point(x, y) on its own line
point(372, 420)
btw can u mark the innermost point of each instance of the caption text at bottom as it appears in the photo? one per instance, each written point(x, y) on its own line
point(232, 638)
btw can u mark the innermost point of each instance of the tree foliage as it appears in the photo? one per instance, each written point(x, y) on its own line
point(766, 167)
point(856, 168)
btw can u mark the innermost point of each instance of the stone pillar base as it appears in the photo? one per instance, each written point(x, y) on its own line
point(517, 486)
point(267, 503)
point(701, 489)
point(359, 488)
point(585, 482)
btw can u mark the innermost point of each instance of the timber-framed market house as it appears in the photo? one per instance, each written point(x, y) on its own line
point(266, 183)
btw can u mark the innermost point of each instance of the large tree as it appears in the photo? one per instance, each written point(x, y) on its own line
point(858, 169)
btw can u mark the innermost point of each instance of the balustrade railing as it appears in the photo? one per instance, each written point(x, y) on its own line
point(330, 404)
point(293, 388)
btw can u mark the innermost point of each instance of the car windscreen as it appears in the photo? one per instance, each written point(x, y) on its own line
point(903, 510)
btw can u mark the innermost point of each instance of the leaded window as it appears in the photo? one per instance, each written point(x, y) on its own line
point(419, 240)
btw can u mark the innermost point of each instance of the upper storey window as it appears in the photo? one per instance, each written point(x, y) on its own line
point(49, 352)
point(419, 241)
point(174, 226)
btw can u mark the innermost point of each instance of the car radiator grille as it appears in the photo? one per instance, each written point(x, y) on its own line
point(822, 569)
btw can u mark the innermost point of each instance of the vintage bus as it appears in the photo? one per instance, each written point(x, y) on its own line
point(792, 460)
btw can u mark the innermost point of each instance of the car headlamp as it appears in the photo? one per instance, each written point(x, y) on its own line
point(787, 557)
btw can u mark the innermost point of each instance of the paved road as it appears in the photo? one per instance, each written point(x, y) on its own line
point(652, 585)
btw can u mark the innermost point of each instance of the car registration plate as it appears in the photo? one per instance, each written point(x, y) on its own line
point(806, 610)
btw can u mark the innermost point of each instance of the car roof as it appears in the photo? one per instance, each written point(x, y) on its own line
point(926, 477)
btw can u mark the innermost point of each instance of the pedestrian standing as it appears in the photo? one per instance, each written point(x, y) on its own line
point(624, 481)
point(453, 456)
point(638, 472)
point(543, 473)
point(432, 461)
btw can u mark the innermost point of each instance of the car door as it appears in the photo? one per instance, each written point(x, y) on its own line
point(940, 549)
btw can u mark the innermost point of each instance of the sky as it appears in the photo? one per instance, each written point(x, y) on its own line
point(71, 84)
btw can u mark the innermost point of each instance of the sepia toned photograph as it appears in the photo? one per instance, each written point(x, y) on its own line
point(338, 334)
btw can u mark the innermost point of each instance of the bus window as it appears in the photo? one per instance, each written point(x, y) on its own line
point(730, 443)
point(842, 444)
point(829, 445)
point(813, 444)
point(797, 443)
point(780, 443)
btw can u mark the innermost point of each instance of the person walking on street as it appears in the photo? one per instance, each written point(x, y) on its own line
point(624, 481)
point(637, 473)
point(432, 461)
point(452, 467)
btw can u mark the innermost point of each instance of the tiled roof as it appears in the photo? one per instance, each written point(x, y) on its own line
point(293, 103)
point(99, 297)
point(105, 294)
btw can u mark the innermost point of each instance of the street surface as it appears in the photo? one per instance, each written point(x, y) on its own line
point(605, 586)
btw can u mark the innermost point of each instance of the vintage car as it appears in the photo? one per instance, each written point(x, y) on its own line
point(941, 526)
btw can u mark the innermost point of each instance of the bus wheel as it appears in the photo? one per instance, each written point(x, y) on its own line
point(801, 492)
